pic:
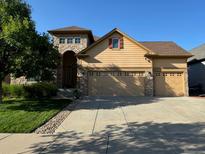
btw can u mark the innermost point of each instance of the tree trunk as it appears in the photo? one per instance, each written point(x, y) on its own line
point(1, 92)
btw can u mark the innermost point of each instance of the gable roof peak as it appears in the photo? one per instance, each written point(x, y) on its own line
point(108, 35)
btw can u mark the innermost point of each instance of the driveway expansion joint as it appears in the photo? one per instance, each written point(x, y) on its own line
point(96, 115)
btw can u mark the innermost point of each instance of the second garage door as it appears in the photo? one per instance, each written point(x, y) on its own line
point(169, 84)
point(115, 83)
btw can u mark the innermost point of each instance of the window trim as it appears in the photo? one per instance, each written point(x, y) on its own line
point(60, 40)
point(71, 39)
point(77, 38)
point(118, 45)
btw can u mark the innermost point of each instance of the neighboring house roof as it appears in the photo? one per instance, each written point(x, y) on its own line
point(198, 52)
point(154, 48)
point(96, 37)
point(165, 48)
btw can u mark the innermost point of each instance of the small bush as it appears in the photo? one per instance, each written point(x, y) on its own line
point(40, 90)
point(35, 90)
point(13, 90)
point(5, 88)
point(17, 91)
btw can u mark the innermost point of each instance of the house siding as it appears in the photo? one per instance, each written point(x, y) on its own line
point(174, 63)
point(131, 56)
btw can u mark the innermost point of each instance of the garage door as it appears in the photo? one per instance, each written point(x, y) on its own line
point(115, 83)
point(169, 84)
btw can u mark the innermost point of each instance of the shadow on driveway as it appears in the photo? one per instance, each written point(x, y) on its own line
point(110, 102)
point(137, 138)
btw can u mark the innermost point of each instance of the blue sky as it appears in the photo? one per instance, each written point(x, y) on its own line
point(182, 21)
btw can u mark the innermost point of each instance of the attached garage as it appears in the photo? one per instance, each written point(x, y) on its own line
point(115, 83)
point(169, 84)
point(117, 65)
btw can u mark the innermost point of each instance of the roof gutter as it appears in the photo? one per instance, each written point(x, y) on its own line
point(168, 56)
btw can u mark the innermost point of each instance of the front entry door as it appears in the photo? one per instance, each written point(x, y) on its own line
point(70, 76)
point(69, 70)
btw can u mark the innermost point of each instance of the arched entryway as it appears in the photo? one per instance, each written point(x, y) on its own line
point(69, 69)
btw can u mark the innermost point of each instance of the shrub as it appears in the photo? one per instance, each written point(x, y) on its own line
point(17, 91)
point(5, 88)
point(13, 90)
point(40, 90)
point(35, 90)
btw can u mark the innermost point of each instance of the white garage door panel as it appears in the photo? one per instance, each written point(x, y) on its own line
point(116, 83)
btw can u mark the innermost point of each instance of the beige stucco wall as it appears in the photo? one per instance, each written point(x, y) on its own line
point(131, 56)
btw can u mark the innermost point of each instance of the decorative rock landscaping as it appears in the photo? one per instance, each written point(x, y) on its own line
point(54, 123)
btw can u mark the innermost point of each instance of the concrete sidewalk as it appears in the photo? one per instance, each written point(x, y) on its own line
point(121, 125)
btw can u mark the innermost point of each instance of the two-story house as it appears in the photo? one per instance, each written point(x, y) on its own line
point(118, 65)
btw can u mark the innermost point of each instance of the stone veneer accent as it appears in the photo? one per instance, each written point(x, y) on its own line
point(62, 48)
point(186, 82)
point(72, 47)
point(82, 80)
point(148, 84)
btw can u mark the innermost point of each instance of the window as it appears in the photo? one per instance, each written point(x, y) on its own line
point(69, 40)
point(62, 40)
point(157, 73)
point(165, 74)
point(171, 74)
point(77, 40)
point(179, 74)
point(115, 43)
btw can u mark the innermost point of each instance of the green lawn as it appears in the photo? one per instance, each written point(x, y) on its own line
point(24, 116)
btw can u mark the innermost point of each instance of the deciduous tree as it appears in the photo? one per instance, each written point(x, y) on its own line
point(22, 50)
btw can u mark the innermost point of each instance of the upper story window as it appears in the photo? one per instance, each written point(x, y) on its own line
point(77, 40)
point(115, 43)
point(69, 40)
point(61, 40)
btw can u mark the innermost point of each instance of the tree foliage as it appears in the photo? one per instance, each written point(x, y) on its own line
point(41, 64)
point(22, 50)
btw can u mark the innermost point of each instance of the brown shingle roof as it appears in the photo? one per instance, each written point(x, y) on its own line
point(167, 48)
point(70, 28)
point(96, 37)
point(160, 48)
point(73, 30)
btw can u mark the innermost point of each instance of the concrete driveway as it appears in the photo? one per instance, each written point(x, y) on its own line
point(121, 125)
